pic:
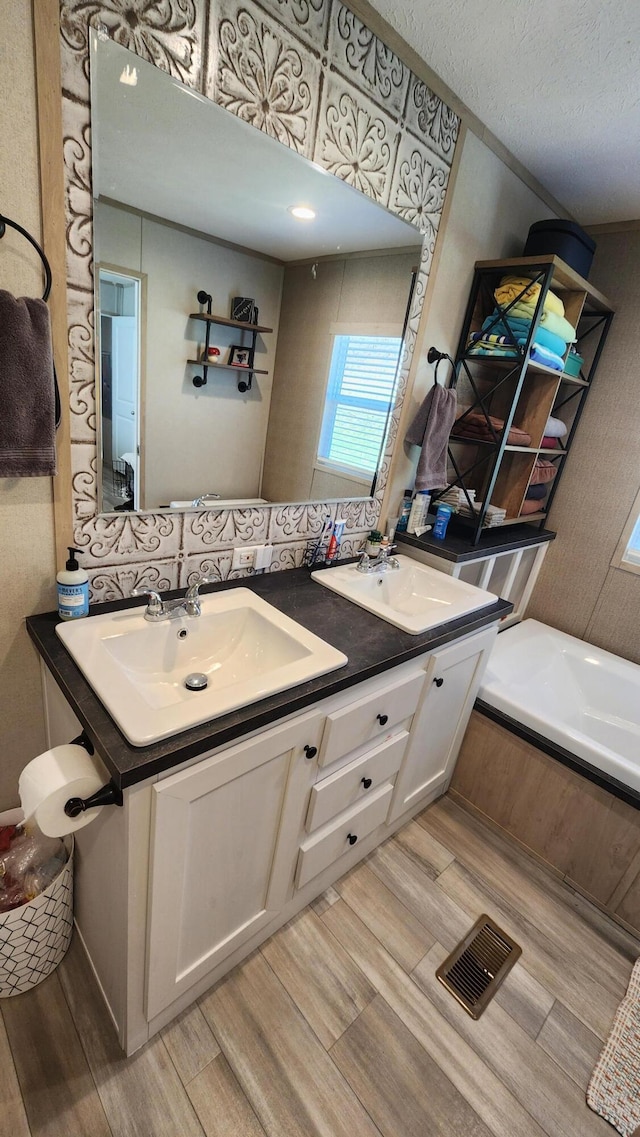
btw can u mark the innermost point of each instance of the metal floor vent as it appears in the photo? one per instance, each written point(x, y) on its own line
point(476, 968)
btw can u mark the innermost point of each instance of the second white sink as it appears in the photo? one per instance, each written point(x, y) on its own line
point(243, 647)
point(413, 597)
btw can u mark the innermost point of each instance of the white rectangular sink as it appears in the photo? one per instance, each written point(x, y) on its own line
point(413, 597)
point(244, 647)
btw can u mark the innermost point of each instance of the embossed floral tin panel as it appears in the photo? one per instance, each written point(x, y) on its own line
point(310, 74)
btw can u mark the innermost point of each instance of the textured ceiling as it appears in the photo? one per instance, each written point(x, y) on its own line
point(557, 82)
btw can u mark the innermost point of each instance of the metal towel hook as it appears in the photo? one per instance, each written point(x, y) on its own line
point(435, 356)
point(4, 221)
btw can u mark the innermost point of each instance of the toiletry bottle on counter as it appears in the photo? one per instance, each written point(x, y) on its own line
point(419, 511)
point(443, 513)
point(403, 512)
point(335, 539)
point(73, 589)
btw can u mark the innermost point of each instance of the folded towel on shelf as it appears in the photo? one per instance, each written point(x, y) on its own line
point(540, 354)
point(493, 517)
point(559, 326)
point(475, 425)
point(555, 428)
point(543, 471)
point(430, 430)
point(491, 337)
point(537, 354)
point(537, 492)
point(519, 330)
point(27, 389)
point(524, 290)
point(456, 497)
point(546, 340)
point(551, 321)
point(529, 506)
point(549, 442)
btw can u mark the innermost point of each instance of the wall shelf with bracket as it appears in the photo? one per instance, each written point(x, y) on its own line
point(243, 326)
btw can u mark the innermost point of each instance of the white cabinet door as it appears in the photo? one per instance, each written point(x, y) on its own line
point(451, 684)
point(224, 842)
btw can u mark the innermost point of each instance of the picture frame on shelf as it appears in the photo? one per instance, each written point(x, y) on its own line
point(243, 309)
point(240, 356)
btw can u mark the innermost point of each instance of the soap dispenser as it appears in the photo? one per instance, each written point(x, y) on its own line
point(73, 589)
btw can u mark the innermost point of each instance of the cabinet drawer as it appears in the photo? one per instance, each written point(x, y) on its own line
point(369, 718)
point(348, 785)
point(333, 842)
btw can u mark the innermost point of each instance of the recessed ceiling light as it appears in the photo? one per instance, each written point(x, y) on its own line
point(302, 212)
point(129, 76)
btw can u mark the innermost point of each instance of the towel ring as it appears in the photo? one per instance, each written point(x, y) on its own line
point(4, 221)
point(435, 356)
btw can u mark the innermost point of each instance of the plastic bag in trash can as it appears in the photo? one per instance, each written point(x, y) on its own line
point(29, 862)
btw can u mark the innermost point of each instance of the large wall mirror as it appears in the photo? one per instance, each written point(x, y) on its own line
point(284, 394)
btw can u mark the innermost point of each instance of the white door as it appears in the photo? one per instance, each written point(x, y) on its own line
point(452, 681)
point(224, 842)
point(124, 363)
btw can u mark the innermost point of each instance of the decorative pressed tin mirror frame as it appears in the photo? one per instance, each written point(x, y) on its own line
point(312, 75)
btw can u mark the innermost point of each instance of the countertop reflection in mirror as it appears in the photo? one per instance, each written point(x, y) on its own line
point(189, 198)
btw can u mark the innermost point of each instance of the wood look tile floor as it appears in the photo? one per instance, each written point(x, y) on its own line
point(337, 1026)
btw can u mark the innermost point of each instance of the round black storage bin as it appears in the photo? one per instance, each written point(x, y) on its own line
point(564, 239)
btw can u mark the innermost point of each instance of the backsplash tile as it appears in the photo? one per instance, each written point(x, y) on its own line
point(294, 522)
point(119, 581)
point(222, 528)
point(312, 75)
point(126, 537)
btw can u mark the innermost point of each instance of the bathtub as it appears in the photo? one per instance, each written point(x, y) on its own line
point(583, 700)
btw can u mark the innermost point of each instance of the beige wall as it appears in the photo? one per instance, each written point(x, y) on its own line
point(359, 294)
point(489, 213)
point(26, 517)
point(578, 591)
point(195, 441)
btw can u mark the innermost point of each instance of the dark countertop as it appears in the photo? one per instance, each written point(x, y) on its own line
point(371, 645)
point(456, 546)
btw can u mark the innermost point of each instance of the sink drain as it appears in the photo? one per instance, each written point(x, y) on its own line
point(196, 681)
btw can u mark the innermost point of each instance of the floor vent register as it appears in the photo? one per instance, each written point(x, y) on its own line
point(478, 965)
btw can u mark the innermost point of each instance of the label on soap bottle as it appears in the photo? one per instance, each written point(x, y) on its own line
point(73, 600)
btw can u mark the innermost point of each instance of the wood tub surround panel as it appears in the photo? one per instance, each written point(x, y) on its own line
point(585, 833)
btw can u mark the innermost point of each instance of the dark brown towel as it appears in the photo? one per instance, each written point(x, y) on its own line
point(27, 399)
point(430, 429)
point(475, 425)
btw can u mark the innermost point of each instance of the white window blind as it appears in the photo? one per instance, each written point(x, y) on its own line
point(632, 552)
point(360, 390)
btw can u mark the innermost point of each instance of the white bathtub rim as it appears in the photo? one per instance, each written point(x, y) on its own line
point(597, 755)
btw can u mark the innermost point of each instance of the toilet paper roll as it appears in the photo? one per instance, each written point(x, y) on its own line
point(48, 781)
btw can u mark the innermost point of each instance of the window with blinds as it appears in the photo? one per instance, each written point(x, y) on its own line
point(360, 390)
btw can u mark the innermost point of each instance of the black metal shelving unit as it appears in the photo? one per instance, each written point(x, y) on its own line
point(510, 381)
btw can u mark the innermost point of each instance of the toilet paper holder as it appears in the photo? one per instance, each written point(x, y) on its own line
point(110, 794)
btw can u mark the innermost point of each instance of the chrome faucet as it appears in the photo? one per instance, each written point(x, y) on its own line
point(198, 501)
point(158, 609)
point(381, 563)
point(192, 595)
